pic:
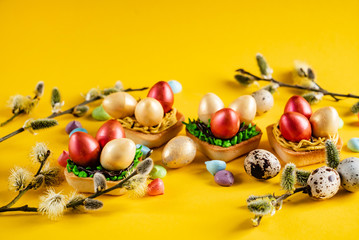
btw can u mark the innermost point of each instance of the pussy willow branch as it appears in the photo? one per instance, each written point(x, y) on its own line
point(288, 194)
point(281, 84)
point(26, 208)
point(68, 111)
point(28, 187)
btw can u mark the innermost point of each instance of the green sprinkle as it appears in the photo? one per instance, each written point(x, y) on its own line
point(99, 168)
point(91, 176)
point(108, 179)
point(114, 178)
point(234, 140)
point(82, 174)
point(226, 143)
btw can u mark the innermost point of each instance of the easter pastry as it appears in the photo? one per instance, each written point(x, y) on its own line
point(300, 136)
point(224, 133)
point(110, 154)
point(152, 121)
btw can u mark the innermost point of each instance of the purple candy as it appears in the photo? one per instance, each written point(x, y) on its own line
point(224, 178)
point(72, 125)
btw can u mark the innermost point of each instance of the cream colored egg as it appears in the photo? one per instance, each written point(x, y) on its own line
point(118, 154)
point(246, 107)
point(179, 152)
point(119, 105)
point(264, 100)
point(149, 112)
point(209, 104)
point(325, 122)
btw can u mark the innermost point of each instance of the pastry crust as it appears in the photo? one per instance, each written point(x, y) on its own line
point(152, 140)
point(298, 158)
point(86, 185)
point(229, 153)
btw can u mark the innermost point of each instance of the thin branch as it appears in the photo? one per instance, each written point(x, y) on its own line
point(68, 111)
point(281, 84)
point(24, 208)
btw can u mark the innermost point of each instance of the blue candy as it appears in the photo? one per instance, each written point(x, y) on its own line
point(215, 166)
point(145, 150)
point(77, 130)
point(353, 144)
point(175, 86)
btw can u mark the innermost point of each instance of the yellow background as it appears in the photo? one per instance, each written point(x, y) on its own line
point(77, 45)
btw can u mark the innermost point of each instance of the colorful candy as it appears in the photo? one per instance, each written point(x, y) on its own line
point(156, 187)
point(175, 86)
point(77, 130)
point(72, 125)
point(224, 178)
point(353, 144)
point(215, 166)
point(100, 114)
point(62, 159)
point(158, 172)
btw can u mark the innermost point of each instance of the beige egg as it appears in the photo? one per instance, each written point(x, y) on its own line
point(246, 107)
point(149, 112)
point(119, 105)
point(209, 104)
point(179, 152)
point(118, 154)
point(325, 122)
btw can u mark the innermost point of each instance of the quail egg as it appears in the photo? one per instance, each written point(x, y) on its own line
point(261, 164)
point(264, 100)
point(348, 170)
point(324, 183)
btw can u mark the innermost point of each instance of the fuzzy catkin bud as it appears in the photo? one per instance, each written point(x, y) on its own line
point(288, 178)
point(92, 204)
point(313, 97)
point(302, 176)
point(244, 80)
point(55, 97)
point(42, 124)
point(99, 182)
point(109, 91)
point(260, 207)
point(264, 68)
point(80, 111)
point(332, 154)
point(39, 89)
point(355, 108)
point(37, 181)
point(145, 167)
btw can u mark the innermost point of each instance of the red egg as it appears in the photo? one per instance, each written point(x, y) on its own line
point(156, 187)
point(110, 130)
point(298, 104)
point(84, 150)
point(162, 92)
point(62, 160)
point(295, 127)
point(225, 123)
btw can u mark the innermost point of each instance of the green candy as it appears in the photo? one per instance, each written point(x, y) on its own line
point(158, 172)
point(100, 114)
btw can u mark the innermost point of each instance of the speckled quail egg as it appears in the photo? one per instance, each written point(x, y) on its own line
point(264, 100)
point(261, 164)
point(324, 183)
point(348, 170)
